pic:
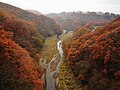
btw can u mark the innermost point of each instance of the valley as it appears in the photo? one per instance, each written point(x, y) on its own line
point(58, 51)
point(51, 75)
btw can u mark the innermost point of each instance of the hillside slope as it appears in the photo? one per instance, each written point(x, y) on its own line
point(94, 57)
point(46, 26)
point(30, 30)
point(34, 11)
point(18, 71)
point(24, 33)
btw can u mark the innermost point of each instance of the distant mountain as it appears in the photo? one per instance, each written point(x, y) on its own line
point(94, 57)
point(34, 11)
point(72, 20)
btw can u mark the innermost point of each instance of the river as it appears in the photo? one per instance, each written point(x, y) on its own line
point(51, 77)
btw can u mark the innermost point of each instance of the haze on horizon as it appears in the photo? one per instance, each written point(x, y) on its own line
point(56, 6)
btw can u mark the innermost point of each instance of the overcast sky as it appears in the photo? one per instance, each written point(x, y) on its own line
point(56, 6)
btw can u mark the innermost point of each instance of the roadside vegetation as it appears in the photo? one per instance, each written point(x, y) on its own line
point(67, 79)
point(67, 35)
point(49, 48)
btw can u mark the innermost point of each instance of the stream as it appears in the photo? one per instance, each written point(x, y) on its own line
point(51, 77)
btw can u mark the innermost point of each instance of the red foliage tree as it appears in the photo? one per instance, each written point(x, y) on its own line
point(96, 55)
point(17, 69)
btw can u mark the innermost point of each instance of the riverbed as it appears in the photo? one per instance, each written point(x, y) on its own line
point(51, 77)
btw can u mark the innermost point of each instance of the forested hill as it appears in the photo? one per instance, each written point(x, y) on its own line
point(94, 57)
point(22, 35)
point(46, 26)
point(72, 20)
point(18, 71)
point(29, 29)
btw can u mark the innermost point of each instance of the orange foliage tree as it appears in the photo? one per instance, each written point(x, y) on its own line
point(17, 69)
point(95, 57)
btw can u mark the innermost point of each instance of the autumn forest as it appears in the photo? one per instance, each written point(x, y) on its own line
point(59, 51)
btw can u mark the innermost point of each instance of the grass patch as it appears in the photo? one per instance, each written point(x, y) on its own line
point(49, 48)
point(67, 35)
